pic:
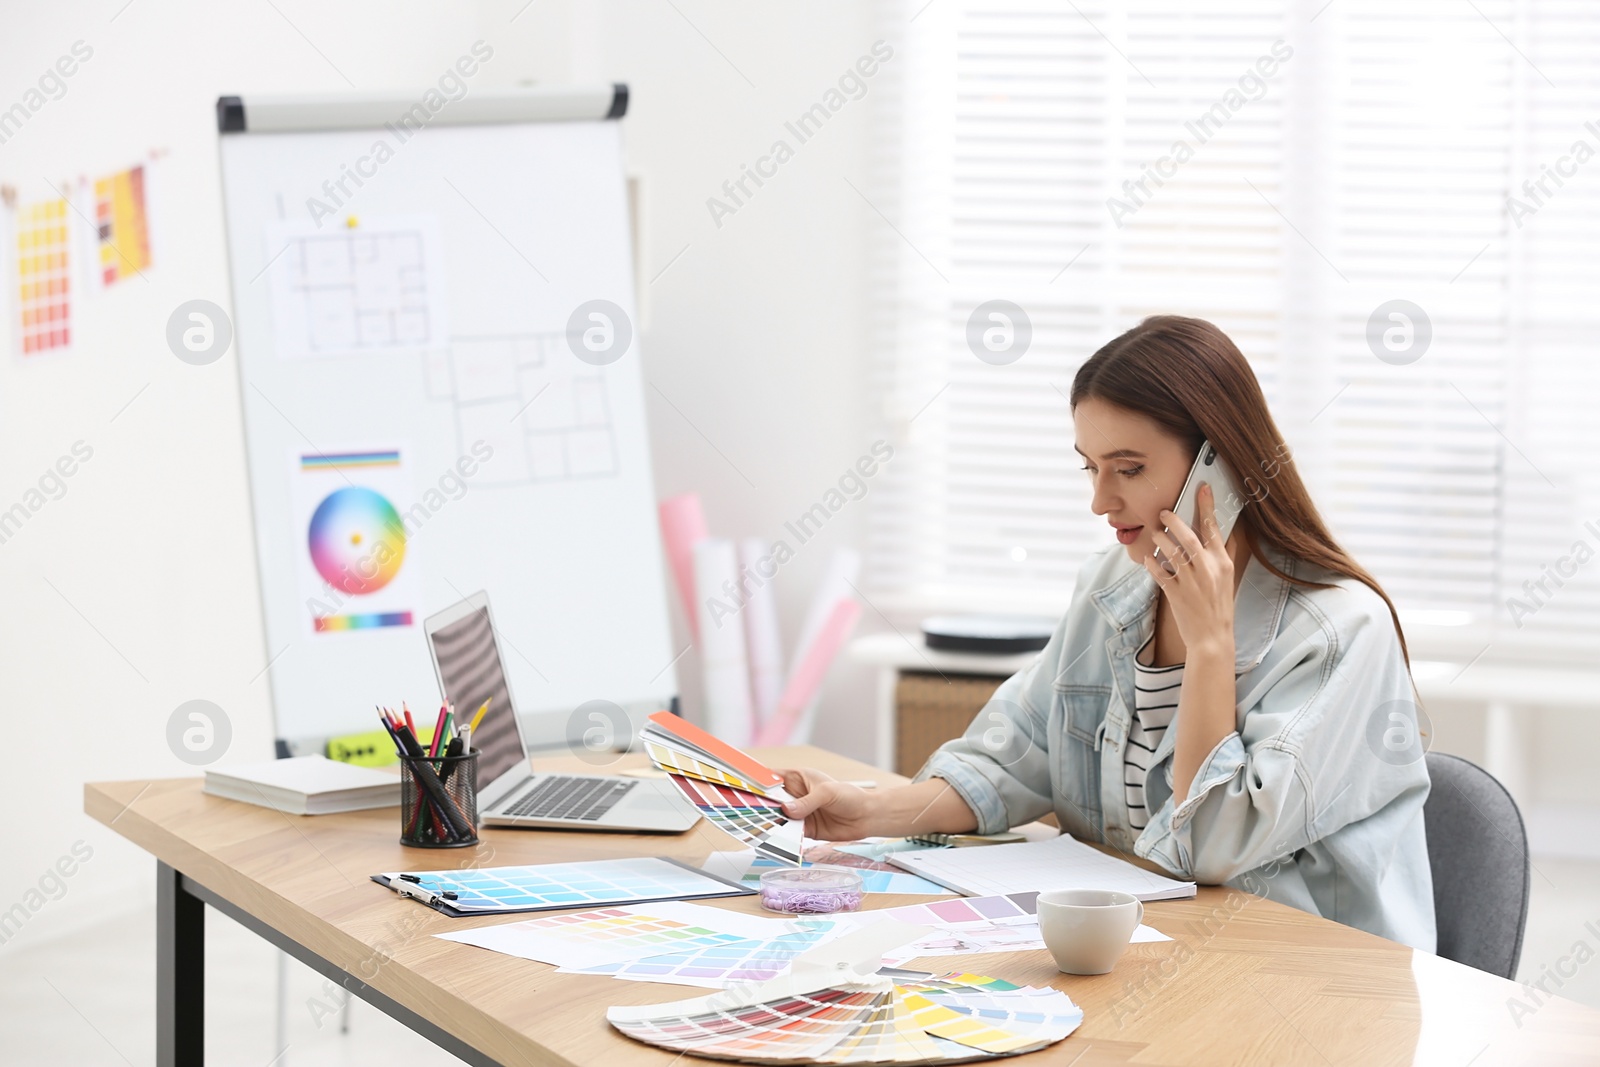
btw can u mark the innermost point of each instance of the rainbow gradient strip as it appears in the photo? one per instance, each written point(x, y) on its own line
point(334, 460)
point(369, 621)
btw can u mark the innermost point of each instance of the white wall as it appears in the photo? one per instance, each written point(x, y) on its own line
point(136, 591)
point(756, 341)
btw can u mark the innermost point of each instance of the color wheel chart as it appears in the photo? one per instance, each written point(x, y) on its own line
point(356, 574)
point(44, 299)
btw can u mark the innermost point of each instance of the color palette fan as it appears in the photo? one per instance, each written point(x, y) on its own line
point(731, 789)
point(836, 1006)
point(948, 1018)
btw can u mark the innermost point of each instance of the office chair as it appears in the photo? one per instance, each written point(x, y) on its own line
point(1478, 850)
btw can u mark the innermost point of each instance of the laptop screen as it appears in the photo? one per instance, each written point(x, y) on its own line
point(470, 669)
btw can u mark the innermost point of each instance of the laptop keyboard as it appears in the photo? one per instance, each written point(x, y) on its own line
point(565, 797)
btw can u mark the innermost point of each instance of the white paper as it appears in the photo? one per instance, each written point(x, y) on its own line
point(545, 942)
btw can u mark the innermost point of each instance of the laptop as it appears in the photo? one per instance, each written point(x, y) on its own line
point(465, 647)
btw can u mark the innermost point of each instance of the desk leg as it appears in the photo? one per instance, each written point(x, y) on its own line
point(180, 972)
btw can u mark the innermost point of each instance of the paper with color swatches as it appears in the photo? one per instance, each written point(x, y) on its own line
point(605, 936)
point(1001, 923)
point(548, 886)
point(718, 965)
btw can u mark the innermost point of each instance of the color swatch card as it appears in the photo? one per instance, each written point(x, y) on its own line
point(549, 886)
point(685, 736)
point(122, 226)
point(43, 296)
point(610, 936)
point(719, 965)
point(832, 1007)
point(731, 789)
point(752, 819)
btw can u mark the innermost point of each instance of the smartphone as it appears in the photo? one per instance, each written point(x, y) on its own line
point(1209, 469)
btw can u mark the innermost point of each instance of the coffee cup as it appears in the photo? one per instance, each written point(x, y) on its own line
point(1087, 929)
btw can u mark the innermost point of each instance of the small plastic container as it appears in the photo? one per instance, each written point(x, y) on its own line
point(811, 890)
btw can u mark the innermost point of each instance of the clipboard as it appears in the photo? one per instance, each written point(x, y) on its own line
point(459, 893)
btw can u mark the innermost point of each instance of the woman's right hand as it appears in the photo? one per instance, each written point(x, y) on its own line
point(832, 810)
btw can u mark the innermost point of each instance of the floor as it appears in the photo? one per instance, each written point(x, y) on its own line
point(87, 999)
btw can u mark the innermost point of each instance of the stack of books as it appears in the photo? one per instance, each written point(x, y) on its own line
point(306, 785)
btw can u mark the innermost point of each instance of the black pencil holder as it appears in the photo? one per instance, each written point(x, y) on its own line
point(439, 801)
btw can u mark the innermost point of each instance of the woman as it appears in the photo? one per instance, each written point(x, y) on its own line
point(1277, 662)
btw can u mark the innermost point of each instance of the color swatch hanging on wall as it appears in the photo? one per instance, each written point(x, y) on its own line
point(123, 226)
point(44, 297)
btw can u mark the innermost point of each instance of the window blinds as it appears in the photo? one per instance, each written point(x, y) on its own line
point(1288, 171)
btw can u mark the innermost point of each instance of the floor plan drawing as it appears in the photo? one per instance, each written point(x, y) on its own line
point(547, 416)
point(362, 289)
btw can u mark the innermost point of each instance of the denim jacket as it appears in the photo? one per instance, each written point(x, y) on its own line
point(1315, 800)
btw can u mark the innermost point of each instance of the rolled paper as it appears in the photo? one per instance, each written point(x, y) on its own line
point(806, 679)
point(722, 655)
point(763, 647)
point(838, 583)
point(683, 525)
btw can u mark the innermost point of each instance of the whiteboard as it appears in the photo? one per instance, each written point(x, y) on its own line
point(419, 427)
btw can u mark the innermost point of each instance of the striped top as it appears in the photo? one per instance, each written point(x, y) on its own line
point(1155, 703)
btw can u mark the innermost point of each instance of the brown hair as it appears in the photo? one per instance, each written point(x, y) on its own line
point(1192, 379)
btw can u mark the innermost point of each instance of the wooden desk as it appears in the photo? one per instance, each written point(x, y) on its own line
point(1246, 981)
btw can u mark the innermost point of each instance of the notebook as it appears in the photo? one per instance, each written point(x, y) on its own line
point(1059, 863)
point(306, 785)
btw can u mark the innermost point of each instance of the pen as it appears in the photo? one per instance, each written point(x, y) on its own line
point(438, 733)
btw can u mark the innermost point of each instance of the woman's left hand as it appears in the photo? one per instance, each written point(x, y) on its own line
point(1202, 590)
